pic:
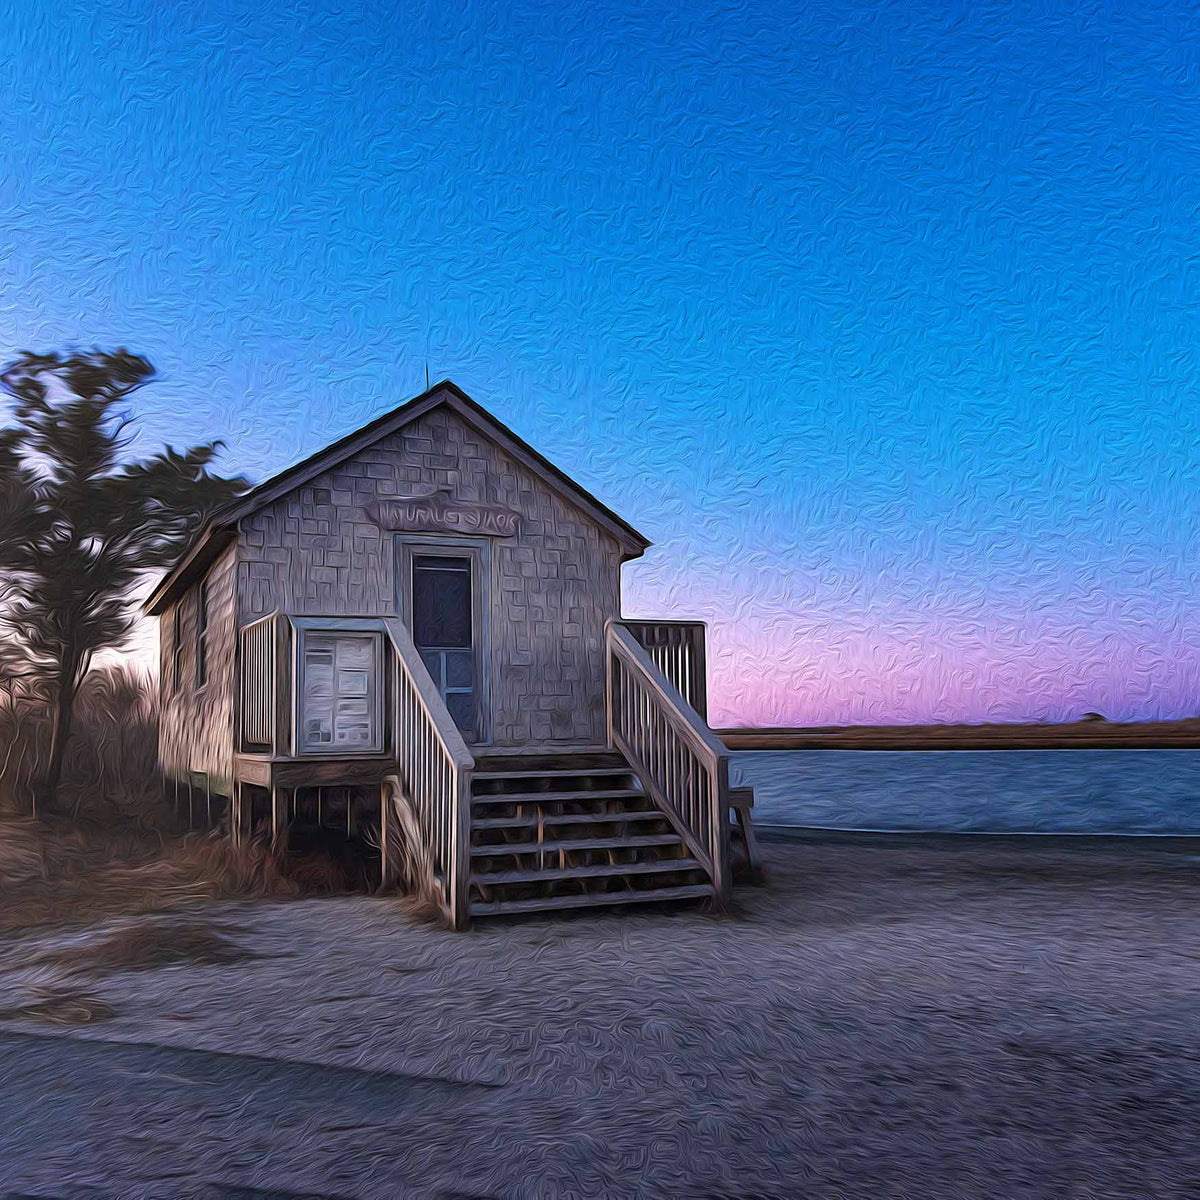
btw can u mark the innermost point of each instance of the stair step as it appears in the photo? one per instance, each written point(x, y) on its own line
point(569, 819)
point(691, 891)
point(626, 843)
point(545, 797)
point(572, 762)
point(554, 773)
point(669, 866)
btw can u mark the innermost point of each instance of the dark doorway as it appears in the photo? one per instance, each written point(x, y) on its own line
point(443, 633)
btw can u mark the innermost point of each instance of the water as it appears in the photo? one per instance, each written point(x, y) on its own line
point(977, 791)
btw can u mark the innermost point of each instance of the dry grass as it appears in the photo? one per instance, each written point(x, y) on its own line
point(53, 873)
point(121, 851)
point(409, 860)
point(56, 872)
point(148, 945)
point(60, 1007)
point(110, 772)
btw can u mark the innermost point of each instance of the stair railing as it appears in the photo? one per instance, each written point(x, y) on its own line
point(681, 764)
point(677, 649)
point(434, 768)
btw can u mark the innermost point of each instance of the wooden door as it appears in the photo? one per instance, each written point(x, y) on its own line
point(443, 630)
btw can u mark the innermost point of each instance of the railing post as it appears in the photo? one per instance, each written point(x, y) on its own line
point(239, 685)
point(460, 882)
point(700, 669)
point(608, 680)
point(722, 882)
point(281, 675)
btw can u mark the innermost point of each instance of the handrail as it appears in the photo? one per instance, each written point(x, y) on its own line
point(680, 762)
point(677, 649)
point(435, 770)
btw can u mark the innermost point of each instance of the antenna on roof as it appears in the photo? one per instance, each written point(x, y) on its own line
point(427, 377)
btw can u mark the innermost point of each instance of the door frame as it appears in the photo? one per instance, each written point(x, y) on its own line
point(478, 550)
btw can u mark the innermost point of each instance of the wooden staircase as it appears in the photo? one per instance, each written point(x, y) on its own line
point(572, 830)
point(643, 819)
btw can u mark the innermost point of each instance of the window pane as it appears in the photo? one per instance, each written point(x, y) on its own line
point(355, 652)
point(318, 731)
point(442, 601)
point(433, 664)
point(459, 668)
point(352, 683)
point(318, 672)
point(352, 723)
point(462, 709)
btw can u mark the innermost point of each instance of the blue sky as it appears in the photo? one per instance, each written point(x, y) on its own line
point(880, 320)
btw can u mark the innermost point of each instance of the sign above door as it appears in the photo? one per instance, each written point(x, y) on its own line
point(439, 512)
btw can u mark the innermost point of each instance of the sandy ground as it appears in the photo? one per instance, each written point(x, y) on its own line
point(877, 1022)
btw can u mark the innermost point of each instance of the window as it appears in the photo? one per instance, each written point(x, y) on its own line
point(176, 648)
point(202, 635)
point(340, 700)
point(441, 608)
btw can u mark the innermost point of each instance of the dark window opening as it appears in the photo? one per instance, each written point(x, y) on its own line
point(202, 635)
point(176, 648)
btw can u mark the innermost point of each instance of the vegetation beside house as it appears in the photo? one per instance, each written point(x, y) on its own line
point(80, 523)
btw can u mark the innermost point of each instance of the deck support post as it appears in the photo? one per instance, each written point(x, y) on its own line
point(721, 877)
point(276, 813)
point(745, 827)
point(236, 804)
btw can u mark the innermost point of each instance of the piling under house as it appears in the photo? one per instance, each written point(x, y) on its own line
point(418, 629)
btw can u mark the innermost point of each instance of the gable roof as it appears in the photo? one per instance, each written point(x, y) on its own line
point(221, 529)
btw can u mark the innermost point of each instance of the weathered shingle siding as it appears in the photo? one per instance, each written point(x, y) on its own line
point(196, 726)
point(552, 586)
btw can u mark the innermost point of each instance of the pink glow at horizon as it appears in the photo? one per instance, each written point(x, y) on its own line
point(796, 639)
point(864, 678)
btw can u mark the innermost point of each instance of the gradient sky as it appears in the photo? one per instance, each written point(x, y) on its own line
point(880, 320)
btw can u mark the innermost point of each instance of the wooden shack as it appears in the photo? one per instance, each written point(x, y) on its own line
point(425, 618)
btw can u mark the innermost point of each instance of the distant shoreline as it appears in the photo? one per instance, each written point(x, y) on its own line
point(1076, 735)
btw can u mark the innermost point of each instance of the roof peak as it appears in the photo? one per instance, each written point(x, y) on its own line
point(445, 391)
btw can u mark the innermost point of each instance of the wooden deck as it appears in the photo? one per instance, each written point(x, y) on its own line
point(265, 771)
